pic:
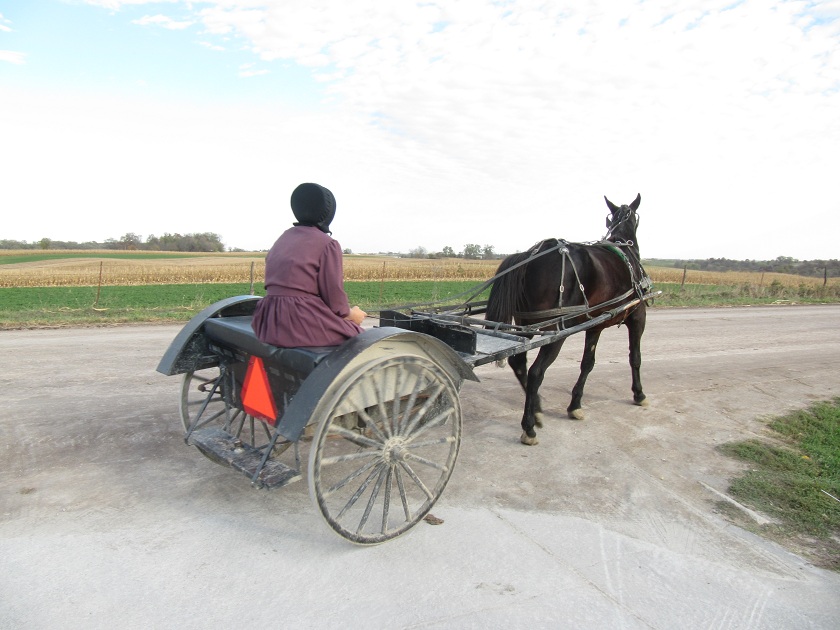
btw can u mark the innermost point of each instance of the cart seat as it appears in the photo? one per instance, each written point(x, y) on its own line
point(236, 332)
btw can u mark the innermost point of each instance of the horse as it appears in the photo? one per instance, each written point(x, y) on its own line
point(565, 278)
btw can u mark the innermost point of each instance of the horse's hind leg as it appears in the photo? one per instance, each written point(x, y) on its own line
point(635, 329)
point(587, 362)
point(545, 358)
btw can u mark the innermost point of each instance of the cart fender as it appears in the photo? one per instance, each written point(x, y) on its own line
point(189, 350)
point(354, 354)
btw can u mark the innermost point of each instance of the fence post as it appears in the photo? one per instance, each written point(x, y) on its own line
point(825, 276)
point(685, 271)
point(99, 286)
point(252, 277)
point(381, 284)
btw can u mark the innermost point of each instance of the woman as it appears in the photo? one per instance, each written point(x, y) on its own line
point(305, 303)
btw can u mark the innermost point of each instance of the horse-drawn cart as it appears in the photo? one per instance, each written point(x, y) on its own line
point(380, 414)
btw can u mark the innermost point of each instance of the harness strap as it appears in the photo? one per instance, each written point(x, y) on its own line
point(564, 312)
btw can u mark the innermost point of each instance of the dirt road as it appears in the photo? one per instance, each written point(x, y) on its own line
point(107, 519)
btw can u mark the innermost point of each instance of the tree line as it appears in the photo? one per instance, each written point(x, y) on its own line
point(782, 264)
point(198, 242)
point(471, 251)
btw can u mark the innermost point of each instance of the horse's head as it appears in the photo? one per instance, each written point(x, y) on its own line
point(622, 221)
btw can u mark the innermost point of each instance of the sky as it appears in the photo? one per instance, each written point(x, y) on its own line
point(435, 123)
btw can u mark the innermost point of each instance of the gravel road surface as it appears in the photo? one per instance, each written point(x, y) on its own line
point(108, 520)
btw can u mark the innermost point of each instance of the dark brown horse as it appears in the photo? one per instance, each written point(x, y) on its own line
point(582, 281)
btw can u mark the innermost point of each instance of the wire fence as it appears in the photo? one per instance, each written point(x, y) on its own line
point(129, 272)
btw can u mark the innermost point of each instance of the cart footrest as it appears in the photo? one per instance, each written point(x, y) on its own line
point(225, 449)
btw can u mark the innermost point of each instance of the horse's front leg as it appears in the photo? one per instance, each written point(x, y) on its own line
point(587, 362)
point(635, 329)
point(519, 365)
point(533, 412)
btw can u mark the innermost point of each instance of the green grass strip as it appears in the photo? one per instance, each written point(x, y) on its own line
point(797, 482)
point(63, 306)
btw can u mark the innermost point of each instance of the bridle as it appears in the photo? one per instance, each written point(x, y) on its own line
point(619, 218)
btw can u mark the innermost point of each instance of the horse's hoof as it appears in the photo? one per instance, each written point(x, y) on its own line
point(576, 414)
point(528, 441)
point(538, 420)
point(642, 403)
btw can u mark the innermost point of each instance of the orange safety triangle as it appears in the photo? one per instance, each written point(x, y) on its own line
point(256, 392)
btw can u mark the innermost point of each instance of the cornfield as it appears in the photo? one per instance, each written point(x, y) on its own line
point(216, 269)
point(222, 268)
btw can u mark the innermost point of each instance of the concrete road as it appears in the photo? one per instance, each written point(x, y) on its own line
point(108, 520)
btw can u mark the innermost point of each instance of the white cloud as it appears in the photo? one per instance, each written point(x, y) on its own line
point(699, 105)
point(212, 46)
point(247, 70)
point(12, 56)
point(447, 123)
point(3, 27)
point(115, 5)
point(164, 21)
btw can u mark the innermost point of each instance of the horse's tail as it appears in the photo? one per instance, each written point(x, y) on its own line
point(507, 291)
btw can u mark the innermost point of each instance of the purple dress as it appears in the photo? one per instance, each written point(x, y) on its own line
point(305, 303)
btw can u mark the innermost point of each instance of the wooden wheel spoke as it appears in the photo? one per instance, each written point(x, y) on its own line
point(437, 421)
point(383, 413)
point(231, 419)
point(200, 422)
point(238, 433)
point(403, 497)
point(421, 413)
point(340, 459)
point(395, 405)
point(428, 462)
point(448, 439)
point(353, 475)
point(412, 399)
point(198, 403)
point(372, 500)
point(359, 492)
point(356, 438)
point(417, 481)
point(386, 504)
point(372, 424)
point(267, 432)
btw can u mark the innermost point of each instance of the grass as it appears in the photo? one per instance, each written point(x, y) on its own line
point(795, 480)
point(30, 307)
point(700, 295)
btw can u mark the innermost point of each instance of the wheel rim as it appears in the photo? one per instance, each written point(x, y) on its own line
point(385, 447)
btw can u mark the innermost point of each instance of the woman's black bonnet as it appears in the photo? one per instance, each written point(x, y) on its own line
point(313, 205)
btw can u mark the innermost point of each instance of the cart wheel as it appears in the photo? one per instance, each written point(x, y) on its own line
point(384, 448)
point(202, 405)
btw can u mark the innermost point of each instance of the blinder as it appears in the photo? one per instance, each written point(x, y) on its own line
point(620, 216)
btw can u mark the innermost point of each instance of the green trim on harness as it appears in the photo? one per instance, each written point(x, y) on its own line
point(643, 285)
point(615, 250)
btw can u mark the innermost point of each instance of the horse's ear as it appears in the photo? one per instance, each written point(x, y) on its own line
point(636, 202)
point(610, 205)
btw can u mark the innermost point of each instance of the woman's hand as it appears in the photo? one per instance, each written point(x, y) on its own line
point(357, 315)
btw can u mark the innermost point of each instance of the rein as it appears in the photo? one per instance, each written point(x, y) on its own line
point(639, 279)
point(478, 289)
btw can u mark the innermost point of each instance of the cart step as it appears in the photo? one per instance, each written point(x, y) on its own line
point(225, 449)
